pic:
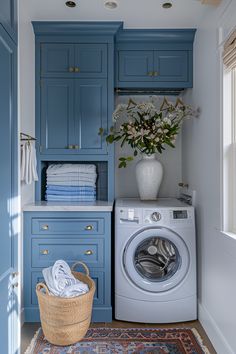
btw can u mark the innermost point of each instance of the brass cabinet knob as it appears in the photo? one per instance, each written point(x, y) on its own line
point(44, 252)
point(70, 146)
point(89, 227)
point(150, 73)
point(45, 227)
point(77, 70)
point(155, 73)
point(88, 253)
point(76, 147)
point(71, 69)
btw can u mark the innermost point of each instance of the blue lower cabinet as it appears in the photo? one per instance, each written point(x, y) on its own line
point(42, 250)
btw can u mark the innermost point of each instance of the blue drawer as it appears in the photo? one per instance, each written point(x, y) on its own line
point(45, 252)
point(97, 276)
point(56, 226)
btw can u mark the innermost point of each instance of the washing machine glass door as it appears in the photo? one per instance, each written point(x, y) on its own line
point(156, 259)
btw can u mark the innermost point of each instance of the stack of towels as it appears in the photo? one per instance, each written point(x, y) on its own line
point(71, 182)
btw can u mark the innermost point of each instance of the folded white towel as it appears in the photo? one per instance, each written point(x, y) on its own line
point(72, 183)
point(56, 169)
point(61, 282)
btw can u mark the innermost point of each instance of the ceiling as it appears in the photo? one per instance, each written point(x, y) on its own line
point(134, 13)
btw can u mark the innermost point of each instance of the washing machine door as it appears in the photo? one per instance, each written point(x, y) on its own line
point(156, 259)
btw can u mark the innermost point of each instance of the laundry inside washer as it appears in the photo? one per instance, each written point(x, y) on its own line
point(156, 258)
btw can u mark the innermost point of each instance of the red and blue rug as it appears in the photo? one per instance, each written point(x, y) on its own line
point(126, 341)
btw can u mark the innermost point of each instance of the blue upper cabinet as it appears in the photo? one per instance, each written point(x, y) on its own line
point(85, 60)
point(72, 111)
point(161, 59)
point(171, 66)
point(8, 17)
point(91, 60)
point(135, 65)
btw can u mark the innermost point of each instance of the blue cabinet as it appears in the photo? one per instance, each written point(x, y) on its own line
point(154, 59)
point(72, 236)
point(159, 68)
point(72, 111)
point(83, 60)
point(8, 17)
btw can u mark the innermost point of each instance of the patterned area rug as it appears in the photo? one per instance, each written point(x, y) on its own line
point(126, 341)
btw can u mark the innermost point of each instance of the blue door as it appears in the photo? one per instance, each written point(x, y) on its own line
point(171, 65)
point(90, 60)
point(57, 60)
point(57, 116)
point(8, 195)
point(135, 65)
point(90, 115)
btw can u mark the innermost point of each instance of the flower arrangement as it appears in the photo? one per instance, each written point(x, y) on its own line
point(148, 129)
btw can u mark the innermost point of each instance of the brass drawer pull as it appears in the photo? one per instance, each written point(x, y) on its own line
point(88, 253)
point(76, 147)
point(44, 252)
point(70, 146)
point(150, 73)
point(155, 73)
point(77, 70)
point(89, 227)
point(71, 69)
point(45, 227)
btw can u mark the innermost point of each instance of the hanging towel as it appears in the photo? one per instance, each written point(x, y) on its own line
point(22, 162)
point(28, 163)
point(61, 282)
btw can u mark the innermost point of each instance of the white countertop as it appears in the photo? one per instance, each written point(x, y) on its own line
point(73, 206)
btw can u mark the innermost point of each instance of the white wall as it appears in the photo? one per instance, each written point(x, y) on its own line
point(202, 170)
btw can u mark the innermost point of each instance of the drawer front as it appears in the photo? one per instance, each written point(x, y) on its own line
point(46, 252)
point(71, 226)
point(97, 276)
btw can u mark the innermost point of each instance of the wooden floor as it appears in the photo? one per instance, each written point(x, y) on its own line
point(29, 329)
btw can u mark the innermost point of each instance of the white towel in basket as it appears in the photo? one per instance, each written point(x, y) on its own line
point(61, 282)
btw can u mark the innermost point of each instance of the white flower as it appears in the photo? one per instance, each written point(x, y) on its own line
point(167, 121)
point(166, 131)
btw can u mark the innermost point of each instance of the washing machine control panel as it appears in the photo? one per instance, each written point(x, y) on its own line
point(168, 216)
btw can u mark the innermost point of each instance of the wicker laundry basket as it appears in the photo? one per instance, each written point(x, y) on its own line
point(65, 321)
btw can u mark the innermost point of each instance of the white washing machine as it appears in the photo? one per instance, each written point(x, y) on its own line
point(155, 261)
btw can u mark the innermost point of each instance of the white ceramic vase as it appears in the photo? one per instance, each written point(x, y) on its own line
point(149, 173)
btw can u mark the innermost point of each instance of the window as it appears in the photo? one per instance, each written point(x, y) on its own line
point(229, 135)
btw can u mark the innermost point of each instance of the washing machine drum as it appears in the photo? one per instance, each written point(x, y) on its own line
point(156, 259)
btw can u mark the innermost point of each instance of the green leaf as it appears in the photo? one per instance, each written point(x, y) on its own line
point(101, 131)
point(135, 152)
point(122, 164)
point(129, 158)
point(110, 138)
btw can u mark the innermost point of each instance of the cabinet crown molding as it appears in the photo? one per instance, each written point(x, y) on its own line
point(156, 35)
point(76, 27)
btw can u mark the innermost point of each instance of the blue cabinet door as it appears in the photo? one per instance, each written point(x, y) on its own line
point(57, 60)
point(90, 115)
point(57, 116)
point(8, 17)
point(8, 193)
point(171, 65)
point(91, 60)
point(135, 65)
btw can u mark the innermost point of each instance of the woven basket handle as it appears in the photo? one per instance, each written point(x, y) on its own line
point(81, 263)
point(40, 286)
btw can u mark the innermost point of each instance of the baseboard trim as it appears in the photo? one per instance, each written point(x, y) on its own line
point(212, 330)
